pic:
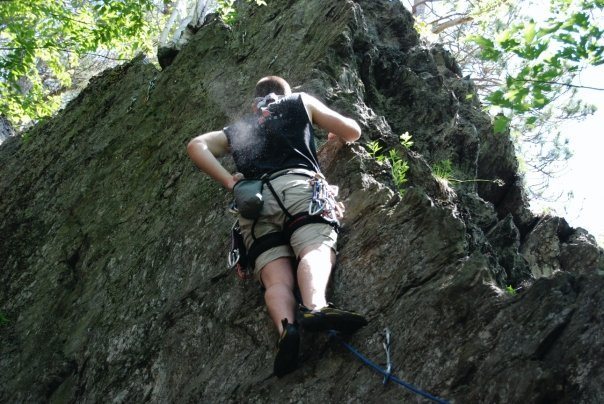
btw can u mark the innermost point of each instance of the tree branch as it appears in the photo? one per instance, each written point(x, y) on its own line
point(487, 80)
point(451, 23)
point(67, 51)
point(435, 22)
point(61, 17)
point(559, 84)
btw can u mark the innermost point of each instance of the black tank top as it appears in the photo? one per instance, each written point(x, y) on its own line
point(282, 138)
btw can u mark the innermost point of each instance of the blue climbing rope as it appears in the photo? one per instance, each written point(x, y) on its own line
point(386, 373)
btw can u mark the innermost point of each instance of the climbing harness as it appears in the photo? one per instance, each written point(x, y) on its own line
point(323, 208)
point(322, 197)
point(386, 373)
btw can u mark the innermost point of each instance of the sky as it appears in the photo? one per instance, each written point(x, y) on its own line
point(586, 140)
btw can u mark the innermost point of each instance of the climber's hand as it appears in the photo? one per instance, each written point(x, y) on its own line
point(234, 179)
point(332, 137)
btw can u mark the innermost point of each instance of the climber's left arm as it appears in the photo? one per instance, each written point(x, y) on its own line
point(346, 129)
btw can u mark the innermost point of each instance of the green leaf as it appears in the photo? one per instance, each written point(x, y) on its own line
point(405, 139)
point(529, 31)
point(509, 44)
point(487, 47)
point(554, 27)
point(501, 124)
point(482, 41)
point(497, 98)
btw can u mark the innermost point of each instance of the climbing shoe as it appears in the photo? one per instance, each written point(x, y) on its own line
point(331, 318)
point(286, 360)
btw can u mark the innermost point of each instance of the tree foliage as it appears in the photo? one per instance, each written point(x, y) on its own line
point(524, 58)
point(547, 55)
point(228, 11)
point(46, 47)
point(42, 42)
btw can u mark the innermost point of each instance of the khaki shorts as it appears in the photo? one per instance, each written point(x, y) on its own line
point(295, 193)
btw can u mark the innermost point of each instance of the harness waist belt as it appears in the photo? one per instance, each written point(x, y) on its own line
point(297, 171)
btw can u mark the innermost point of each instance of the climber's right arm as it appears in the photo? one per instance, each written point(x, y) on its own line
point(204, 149)
point(346, 129)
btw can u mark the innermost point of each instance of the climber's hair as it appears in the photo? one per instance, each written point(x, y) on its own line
point(272, 84)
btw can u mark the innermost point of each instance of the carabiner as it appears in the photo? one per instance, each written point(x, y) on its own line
point(233, 258)
point(312, 210)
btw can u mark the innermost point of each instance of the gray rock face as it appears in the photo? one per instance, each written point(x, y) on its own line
point(112, 266)
point(6, 130)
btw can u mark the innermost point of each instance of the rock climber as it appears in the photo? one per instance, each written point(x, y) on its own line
point(293, 238)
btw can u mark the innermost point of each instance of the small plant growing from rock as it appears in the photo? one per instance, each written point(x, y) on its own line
point(399, 167)
point(444, 170)
point(510, 290)
point(406, 140)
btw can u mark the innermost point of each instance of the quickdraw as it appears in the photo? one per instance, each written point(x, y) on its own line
point(387, 373)
point(238, 258)
point(323, 200)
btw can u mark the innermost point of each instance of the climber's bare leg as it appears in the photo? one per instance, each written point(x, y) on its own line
point(278, 279)
point(313, 275)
